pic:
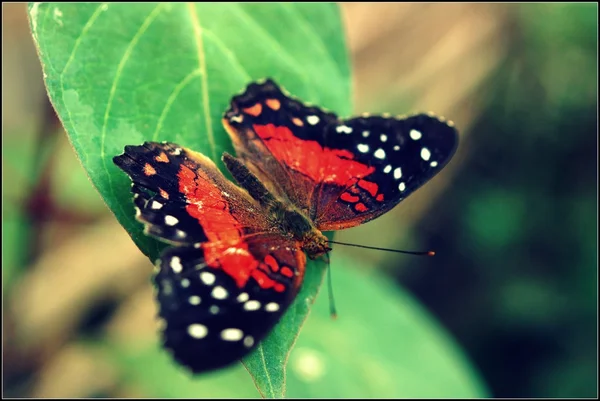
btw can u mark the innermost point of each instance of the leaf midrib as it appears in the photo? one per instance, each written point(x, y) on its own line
point(197, 27)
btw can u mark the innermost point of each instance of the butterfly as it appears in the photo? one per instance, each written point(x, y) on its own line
point(237, 253)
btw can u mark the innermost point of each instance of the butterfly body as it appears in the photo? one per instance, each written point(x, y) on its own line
point(291, 221)
point(237, 253)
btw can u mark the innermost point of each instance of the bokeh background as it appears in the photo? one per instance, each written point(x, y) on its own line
point(513, 218)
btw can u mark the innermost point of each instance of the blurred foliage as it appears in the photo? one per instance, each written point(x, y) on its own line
point(520, 229)
point(513, 221)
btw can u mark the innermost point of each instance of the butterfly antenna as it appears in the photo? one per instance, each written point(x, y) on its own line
point(420, 253)
point(332, 310)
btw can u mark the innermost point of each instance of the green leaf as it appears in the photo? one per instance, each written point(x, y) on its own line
point(119, 74)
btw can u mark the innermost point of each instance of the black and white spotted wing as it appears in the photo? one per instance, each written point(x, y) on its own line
point(212, 318)
point(402, 154)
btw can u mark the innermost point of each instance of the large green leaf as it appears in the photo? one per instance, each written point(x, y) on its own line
point(120, 74)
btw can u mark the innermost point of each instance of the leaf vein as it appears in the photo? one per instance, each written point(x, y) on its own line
point(171, 99)
point(149, 19)
point(262, 356)
point(228, 53)
point(202, 66)
point(280, 50)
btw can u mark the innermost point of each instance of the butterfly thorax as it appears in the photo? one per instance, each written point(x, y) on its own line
point(288, 218)
point(297, 225)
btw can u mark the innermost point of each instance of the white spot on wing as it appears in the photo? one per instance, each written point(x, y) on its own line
point(194, 300)
point(214, 309)
point(363, 147)
point(156, 205)
point(383, 137)
point(402, 187)
point(185, 283)
point(171, 220)
point(396, 148)
point(312, 120)
point(398, 173)
point(272, 307)
point(433, 164)
point(415, 135)
point(252, 305)
point(243, 297)
point(207, 278)
point(365, 134)
point(425, 154)
point(379, 153)
point(197, 331)
point(176, 264)
point(219, 292)
point(387, 169)
point(232, 334)
point(343, 129)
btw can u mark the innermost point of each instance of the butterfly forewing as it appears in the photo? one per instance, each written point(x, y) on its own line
point(341, 173)
point(398, 154)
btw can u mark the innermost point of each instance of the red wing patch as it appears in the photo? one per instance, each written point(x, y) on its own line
point(341, 173)
point(308, 157)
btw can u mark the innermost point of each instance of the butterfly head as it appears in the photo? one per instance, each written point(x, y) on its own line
point(315, 244)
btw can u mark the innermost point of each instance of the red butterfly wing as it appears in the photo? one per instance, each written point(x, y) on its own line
point(340, 173)
point(230, 275)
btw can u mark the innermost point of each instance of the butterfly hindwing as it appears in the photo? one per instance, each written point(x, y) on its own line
point(212, 318)
point(339, 172)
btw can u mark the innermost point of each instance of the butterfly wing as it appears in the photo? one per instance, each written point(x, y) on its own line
point(402, 155)
point(230, 274)
point(211, 318)
point(183, 199)
point(341, 173)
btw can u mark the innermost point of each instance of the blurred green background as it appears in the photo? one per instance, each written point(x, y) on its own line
point(513, 218)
